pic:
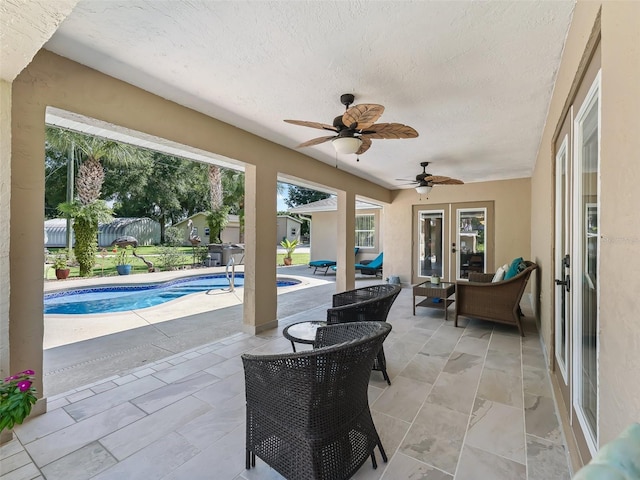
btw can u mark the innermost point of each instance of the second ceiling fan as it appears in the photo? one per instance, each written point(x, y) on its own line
point(355, 129)
point(425, 181)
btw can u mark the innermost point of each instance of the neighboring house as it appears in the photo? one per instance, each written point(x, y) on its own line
point(145, 230)
point(288, 227)
point(324, 228)
point(230, 234)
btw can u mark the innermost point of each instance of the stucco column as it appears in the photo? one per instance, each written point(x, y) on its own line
point(26, 327)
point(5, 215)
point(345, 274)
point(260, 292)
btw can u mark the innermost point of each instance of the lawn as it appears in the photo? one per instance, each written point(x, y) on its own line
point(105, 261)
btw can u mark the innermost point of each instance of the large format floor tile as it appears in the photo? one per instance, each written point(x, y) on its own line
point(465, 403)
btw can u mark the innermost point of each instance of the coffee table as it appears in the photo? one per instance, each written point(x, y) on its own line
point(437, 295)
point(302, 332)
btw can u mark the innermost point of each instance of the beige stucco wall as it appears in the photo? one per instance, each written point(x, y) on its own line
point(5, 196)
point(512, 209)
point(50, 80)
point(324, 234)
point(285, 225)
point(619, 282)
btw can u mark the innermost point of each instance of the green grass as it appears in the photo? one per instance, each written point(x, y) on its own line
point(105, 266)
point(296, 258)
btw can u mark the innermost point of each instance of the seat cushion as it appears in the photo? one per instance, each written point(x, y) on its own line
point(321, 263)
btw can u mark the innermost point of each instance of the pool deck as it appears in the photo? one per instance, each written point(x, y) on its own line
point(81, 349)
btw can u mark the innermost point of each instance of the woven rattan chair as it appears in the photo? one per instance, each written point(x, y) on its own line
point(308, 413)
point(365, 304)
point(496, 302)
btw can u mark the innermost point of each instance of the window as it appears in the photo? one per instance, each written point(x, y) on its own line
point(365, 231)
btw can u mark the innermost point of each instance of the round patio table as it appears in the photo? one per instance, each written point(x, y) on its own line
point(302, 332)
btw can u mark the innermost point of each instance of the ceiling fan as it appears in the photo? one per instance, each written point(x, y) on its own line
point(355, 129)
point(425, 181)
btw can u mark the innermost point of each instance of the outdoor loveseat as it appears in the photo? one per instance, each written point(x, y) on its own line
point(368, 304)
point(482, 298)
point(308, 413)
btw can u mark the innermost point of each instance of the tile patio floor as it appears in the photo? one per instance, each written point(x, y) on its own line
point(465, 403)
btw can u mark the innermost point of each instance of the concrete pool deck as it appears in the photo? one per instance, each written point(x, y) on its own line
point(81, 349)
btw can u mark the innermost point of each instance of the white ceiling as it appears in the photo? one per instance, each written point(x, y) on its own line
point(473, 78)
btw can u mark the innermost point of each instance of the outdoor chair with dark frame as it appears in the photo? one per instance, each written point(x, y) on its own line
point(308, 413)
point(365, 304)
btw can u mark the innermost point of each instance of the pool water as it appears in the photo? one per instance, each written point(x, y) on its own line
point(134, 297)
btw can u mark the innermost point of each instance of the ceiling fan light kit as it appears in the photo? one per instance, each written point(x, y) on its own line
point(423, 189)
point(346, 144)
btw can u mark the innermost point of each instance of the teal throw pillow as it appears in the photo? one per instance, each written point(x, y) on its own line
point(513, 268)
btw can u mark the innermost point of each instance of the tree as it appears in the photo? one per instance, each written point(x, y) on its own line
point(301, 196)
point(55, 181)
point(157, 192)
point(85, 226)
point(217, 218)
point(86, 209)
point(92, 151)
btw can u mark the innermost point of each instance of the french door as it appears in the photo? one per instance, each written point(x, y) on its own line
point(452, 240)
point(576, 255)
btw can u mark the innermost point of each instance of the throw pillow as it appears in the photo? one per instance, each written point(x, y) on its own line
point(513, 268)
point(499, 275)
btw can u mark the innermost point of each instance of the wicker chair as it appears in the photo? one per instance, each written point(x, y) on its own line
point(496, 302)
point(365, 304)
point(308, 413)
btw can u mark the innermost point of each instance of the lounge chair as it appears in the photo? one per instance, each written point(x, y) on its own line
point(326, 264)
point(374, 267)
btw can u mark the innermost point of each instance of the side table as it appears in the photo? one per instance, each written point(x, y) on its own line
point(437, 295)
point(302, 332)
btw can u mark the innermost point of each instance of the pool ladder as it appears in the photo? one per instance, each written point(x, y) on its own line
point(231, 279)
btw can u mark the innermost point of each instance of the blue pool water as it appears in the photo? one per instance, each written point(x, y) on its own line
point(134, 297)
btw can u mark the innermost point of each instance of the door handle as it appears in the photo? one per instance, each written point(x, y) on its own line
point(566, 283)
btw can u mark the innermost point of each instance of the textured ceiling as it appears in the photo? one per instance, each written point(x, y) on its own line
point(473, 78)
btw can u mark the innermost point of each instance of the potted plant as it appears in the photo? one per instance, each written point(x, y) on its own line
point(290, 247)
point(122, 261)
point(17, 396)
point(60, 265)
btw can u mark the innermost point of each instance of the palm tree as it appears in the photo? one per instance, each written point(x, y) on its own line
point(218, 215)
point(92, 152)
point(87, 209)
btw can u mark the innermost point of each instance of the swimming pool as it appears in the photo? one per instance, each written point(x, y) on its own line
point(134, 297)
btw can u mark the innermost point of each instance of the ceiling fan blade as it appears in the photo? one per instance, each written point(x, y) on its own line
point(451, 181)
point(321, 126)
point(440, 180)
point(390, 130)
point(366, 143)
point(360, 117)
point(316, 141)
point(406, 180)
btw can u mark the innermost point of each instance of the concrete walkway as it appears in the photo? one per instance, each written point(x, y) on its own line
point(86, 348)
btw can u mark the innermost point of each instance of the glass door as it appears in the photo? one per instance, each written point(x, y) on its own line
point(430, 228)
point(451, 240)
point(562, 265)
point(472, 235)
point(585, 267)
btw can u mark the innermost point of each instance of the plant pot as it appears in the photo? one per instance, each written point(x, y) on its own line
point(287, 261)
point(123, 269)
point(6, 436)
point(62, 273)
